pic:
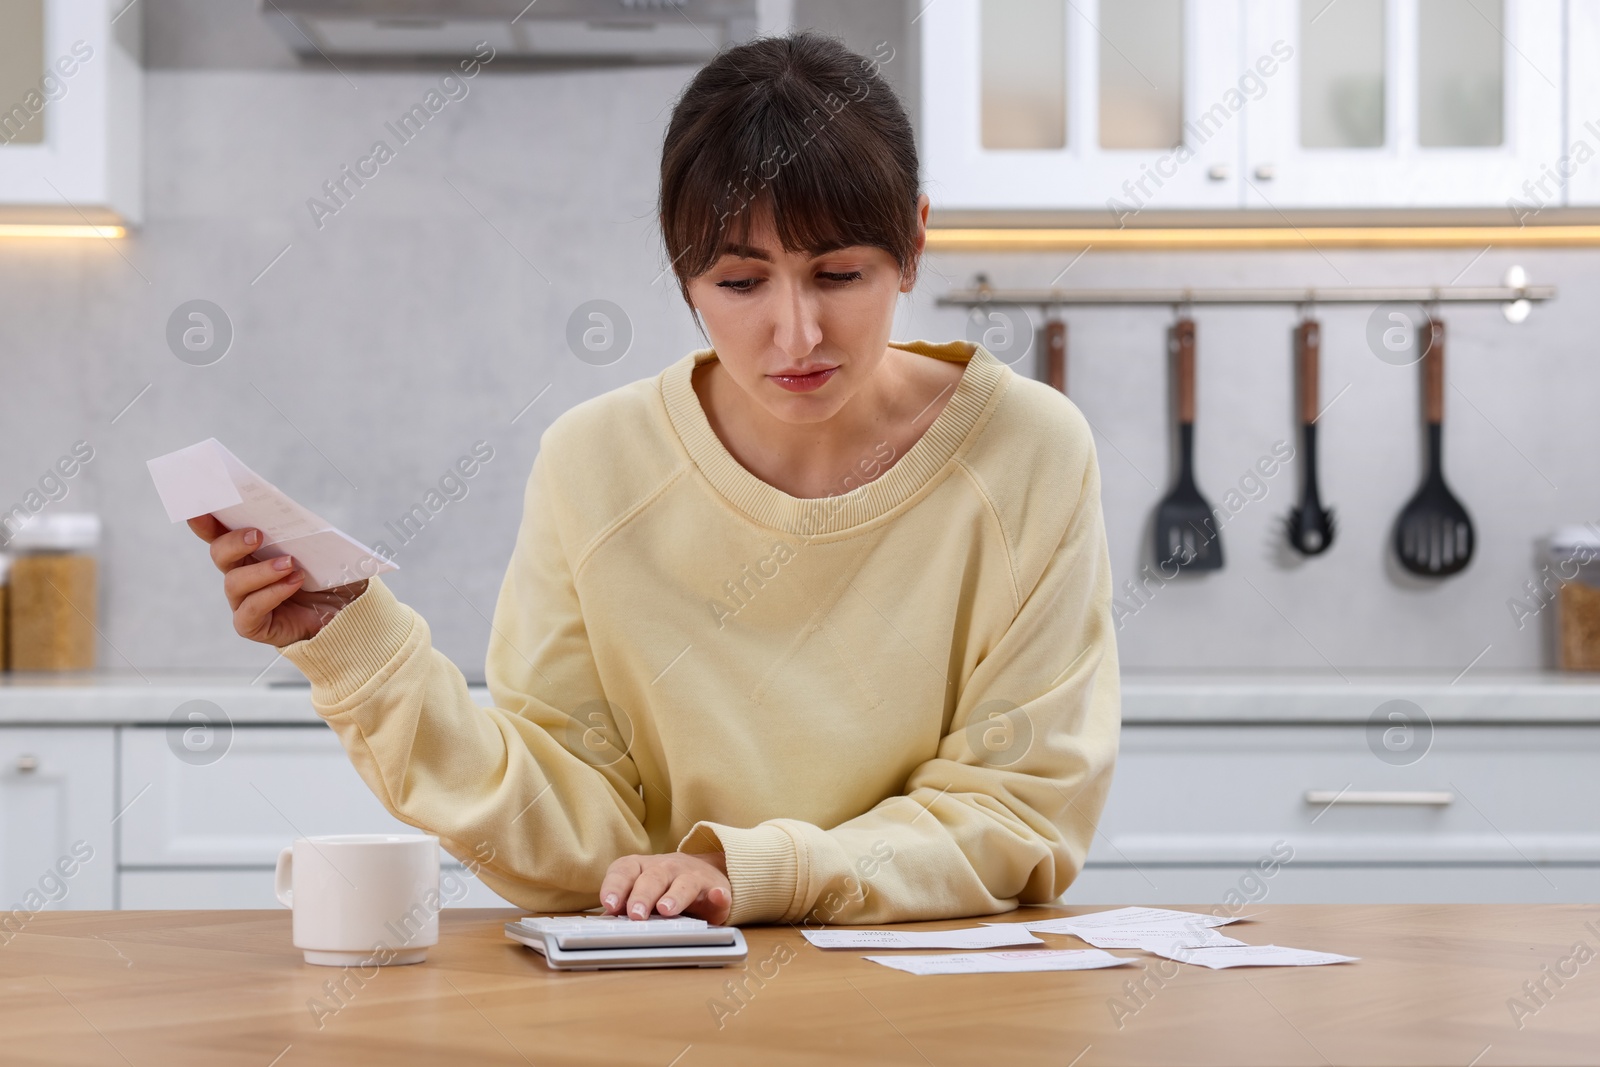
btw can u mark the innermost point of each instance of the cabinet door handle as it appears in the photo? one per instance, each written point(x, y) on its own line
point(1414, 797)
point(1265, 172)
point(1218, 172)
point(27, 764)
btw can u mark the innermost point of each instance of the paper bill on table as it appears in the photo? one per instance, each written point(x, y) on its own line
point(973, 937)
point(1180, 936)
point(1042, 959)
point(206, 478)
point(1119, 919)
point(1250, 956)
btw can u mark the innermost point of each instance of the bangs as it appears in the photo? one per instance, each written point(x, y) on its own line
point(821, 149)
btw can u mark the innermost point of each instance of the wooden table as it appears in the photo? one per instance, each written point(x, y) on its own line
point(1434, 986)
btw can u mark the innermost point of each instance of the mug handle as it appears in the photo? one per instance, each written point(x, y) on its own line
point(283, 878)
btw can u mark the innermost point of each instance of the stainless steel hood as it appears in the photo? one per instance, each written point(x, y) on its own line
point(607, 31)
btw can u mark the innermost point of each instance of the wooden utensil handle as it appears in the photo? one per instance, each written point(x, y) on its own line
point(1055, 348)
point(1433, 373)
point(1181, 343)
point(1308, 346)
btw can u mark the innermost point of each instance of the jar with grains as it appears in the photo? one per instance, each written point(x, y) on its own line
point(1573, 558)
point(5, 588)
point(53, 594)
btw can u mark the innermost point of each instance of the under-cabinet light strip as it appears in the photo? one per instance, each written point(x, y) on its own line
point(46, 230)
point(1321, 238)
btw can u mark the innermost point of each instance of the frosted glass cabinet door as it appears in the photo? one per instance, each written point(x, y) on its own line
point(1112, 105)
point(1406, 103)
point(21, 71)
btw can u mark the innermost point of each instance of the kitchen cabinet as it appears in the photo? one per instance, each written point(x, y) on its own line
point(71, 112)
point(1026, 104)
point(169, 889)
point(273, 784)
point(206, 834)
point(1488, 813)
point(1405, 103)
point(57, 829)
point(1212, 779)
point(1576, 166)
point(1263, 105)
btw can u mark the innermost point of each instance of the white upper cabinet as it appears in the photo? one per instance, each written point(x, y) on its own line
point(1131, 105)
point(1405, 103)
point(71, 112)
point(1577, 165)
point(1046, 103)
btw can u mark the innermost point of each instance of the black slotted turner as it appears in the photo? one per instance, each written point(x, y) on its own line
point(1433, 536)
point(1186, 532)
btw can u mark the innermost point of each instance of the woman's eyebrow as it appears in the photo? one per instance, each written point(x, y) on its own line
point(750, 252)
point(745, 252)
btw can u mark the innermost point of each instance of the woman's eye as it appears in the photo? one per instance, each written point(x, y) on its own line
point(849, 276)
point(739, 285)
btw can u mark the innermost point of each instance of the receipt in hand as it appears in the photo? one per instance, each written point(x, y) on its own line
point(208, 479)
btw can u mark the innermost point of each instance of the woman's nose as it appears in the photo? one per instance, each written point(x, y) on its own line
point(797, 325)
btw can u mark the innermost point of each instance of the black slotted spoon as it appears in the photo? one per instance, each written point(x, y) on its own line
point(1433, 536)
point(1186, 532)
point(1310, 526)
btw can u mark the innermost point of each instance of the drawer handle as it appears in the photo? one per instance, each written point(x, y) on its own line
point(1422, 797)
point(27, 764)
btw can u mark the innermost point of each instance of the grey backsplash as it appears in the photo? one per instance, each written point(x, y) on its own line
point(431, 309)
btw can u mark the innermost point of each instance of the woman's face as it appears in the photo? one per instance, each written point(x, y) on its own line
point(801, 334)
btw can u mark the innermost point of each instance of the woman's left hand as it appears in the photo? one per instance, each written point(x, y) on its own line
point(675, 883)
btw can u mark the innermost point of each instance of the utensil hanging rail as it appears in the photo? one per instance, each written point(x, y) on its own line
point(1445, 294)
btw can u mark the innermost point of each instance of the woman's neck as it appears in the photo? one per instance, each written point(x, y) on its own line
point(885, 418)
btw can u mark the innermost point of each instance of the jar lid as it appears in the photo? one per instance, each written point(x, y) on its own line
point(1568, 539)
point(60, 530)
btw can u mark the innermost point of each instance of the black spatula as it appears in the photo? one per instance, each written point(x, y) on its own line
point(1186, 532)
point(1433, 536)
point(1310, 525)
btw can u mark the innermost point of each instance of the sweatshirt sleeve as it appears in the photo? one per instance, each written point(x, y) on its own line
point(1005, 812)
point(535, 793)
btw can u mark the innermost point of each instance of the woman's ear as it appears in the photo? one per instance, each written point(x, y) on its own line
point(908, 279)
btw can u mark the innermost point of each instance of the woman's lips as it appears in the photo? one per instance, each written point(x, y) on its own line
point(803, 383)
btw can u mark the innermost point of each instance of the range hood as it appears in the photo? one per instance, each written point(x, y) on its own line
point(608, 31)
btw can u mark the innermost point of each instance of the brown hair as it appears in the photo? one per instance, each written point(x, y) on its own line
point(801, 127)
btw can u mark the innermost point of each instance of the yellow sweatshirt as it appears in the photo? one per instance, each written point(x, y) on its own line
point(896, 703)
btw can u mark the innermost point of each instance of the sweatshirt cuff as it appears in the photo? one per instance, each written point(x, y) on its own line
point(763, 868)
point(354, 646)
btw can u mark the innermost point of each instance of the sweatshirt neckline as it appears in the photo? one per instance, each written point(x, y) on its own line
point(944, 439)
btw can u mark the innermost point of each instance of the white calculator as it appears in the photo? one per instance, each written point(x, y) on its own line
point(608, 942)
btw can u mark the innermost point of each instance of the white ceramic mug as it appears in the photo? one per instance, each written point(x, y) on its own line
point(362, 899)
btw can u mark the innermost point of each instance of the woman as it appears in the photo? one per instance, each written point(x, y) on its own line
point(813, 624)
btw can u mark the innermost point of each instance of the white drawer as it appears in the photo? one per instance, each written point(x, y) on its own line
point(1239, 886)
point(273, 784)
point(248, 887)
point(1523, 794)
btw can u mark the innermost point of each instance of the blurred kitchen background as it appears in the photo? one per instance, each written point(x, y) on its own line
point(371, 348)
point(353, 352)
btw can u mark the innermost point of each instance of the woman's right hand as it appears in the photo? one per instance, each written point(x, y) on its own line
point(268, 604)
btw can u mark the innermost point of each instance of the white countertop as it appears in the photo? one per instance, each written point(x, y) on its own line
point(1197, 698)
